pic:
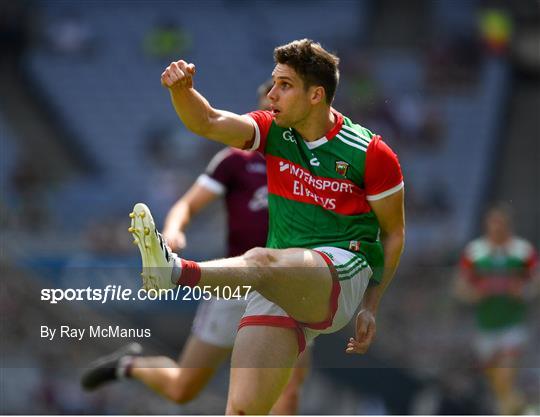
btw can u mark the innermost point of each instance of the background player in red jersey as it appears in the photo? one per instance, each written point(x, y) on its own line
point(240, 178)
point(498, 278)
point(336, 212)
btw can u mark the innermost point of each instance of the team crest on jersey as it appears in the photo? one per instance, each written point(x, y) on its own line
point(342, 167)
point(354, 245)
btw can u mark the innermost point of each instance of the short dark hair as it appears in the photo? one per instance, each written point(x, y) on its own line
point(314, 64)
point(501, 207)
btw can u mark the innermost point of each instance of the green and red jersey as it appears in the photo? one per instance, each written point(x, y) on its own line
point(499, 273)
point(318, 192)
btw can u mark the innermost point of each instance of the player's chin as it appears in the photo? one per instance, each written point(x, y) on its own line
point(281, 121)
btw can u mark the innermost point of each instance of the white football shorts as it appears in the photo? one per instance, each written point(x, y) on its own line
point(351, 274)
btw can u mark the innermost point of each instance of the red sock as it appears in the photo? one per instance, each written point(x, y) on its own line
point(190, 275)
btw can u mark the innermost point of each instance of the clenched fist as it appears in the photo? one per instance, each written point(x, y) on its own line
point(179, 73)
point(175, 239)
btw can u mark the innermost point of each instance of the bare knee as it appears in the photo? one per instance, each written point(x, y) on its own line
point(242, 405)
point(260, 257)
point(182, 393)
point(287, 403)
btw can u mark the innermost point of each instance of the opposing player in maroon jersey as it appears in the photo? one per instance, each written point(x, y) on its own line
point(336, 231)
point(240, 178)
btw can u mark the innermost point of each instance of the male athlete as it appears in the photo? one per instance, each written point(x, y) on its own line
point(239, 177)
point(497, 272)
point(335, 194)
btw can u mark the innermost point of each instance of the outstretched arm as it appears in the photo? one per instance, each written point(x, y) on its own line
point(198, 115)
point(391, 216)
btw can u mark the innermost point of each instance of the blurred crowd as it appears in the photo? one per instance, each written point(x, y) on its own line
point(412, 123)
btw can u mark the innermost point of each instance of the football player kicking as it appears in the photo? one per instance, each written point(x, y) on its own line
point(336, 230)
point(239, 177)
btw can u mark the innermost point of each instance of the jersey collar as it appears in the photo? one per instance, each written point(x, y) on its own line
point(337, 127)
point(330, 134)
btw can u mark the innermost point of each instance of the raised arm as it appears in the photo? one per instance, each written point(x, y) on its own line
point(198, 115)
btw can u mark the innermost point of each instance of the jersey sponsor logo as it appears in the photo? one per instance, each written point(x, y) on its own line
point(295, 182)
point(319, 183)
point(259, 200)
point(314, 162)
point(494, 285)
point(342, 167)
point(301, 190)
point(256, 168)
point(288, 136)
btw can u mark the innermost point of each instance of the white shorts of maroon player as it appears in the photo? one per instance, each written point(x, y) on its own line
point(347, 292)
point(216, 321)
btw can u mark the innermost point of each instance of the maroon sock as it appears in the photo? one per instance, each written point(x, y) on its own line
point(129, 368)
point(124, 367)
point(190, 274)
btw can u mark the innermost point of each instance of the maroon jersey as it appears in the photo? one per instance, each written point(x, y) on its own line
point(240, 177)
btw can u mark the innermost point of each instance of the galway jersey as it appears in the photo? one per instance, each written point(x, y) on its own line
point(498, 273)
point(318, 191)
point(240, 177)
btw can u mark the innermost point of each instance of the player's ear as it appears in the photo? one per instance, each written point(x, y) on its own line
point(317, 94)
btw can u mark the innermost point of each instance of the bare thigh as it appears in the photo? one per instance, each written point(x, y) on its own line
point(298, 280)
point(261, 366)
point(301, 284)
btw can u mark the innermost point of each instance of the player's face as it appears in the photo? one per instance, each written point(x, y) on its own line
point(497, 225)
point(289, 101)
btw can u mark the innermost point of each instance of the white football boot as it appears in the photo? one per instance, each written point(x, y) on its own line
point(158, 261)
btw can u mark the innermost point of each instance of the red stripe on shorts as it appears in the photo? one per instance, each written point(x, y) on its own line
point(276, 321)
point(334, 295)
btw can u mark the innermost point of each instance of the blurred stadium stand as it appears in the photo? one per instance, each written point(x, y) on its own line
point(428, 83)
point(123, 103)
point(8, 158)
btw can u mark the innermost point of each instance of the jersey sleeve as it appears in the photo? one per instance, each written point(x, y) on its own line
point(466, 266)
point(465, 263)
point(262, 120)
point(219, 173)
point(383, 175)
point(531, 262)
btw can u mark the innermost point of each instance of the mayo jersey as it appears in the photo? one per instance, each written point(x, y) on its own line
point(497, 272)
point(318, 192)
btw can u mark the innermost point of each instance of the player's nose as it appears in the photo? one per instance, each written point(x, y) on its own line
point(272, 94)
